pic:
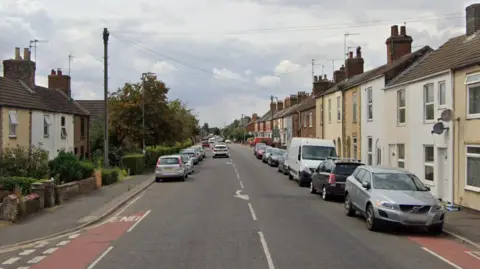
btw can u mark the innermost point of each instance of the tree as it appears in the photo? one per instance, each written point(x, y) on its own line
point(205, 128)
point(215, 130)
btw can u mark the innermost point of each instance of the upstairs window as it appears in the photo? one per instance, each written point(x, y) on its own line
point(401, 107)
point(369, 104)
point(354, 107)
point(428, 102)
point(472, 82)
point(12, 123)
point(46, 125)
point(339, 109)
point(63, 126)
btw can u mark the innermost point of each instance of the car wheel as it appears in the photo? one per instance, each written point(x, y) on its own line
point(325, 194)
point(349, 211)
point(158, 179)
point(290, 176)
point(372, 224)
point(186, 175)
point(312, 189)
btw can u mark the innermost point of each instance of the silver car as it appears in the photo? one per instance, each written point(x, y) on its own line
point(192, 154)
point(170, 167)
point(392, 196)
point(188, 161)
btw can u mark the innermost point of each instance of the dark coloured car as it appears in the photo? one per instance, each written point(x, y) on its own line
point(259, 147)
point(282, 164)
point(267, 153)
point(275, 156)
point(330, 176)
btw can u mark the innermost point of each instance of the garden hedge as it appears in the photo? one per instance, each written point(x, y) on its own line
point(135, 163)
point(109, 176)
point(9, 183)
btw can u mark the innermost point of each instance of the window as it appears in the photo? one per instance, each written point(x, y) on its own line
point(355, 147)
point(428, 154)
point(473, 95)
point(473, 168)
point(310, 118)
point(370, 150)
point(329, 110)
point(46, 125)
point(304, 119)
point(379, 156)
point(63, 131)
point(321, 114)
point(428, 102)
point(82, 127)
point(354, 107)
point(82, 151)
point(339, 114)
point(401, 155)
point(401, 106)
point(12, 123)
point(442, 94)
point(369, 104)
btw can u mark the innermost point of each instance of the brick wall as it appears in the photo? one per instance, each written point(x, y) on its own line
point(308, 131)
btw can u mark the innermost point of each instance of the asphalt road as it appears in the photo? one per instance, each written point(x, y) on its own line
point(205, 223)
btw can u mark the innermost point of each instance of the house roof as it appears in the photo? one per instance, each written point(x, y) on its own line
point(14, 93)
point(284, 112)
point(95, 107)
point(309, 103)
point(265, 116)
point(390, 71)
point(458, 52)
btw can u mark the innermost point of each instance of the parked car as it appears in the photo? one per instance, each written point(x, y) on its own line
point(275, 157)
point(220, 151)
point(198, 152)
point(266, 154)
point(330, 176)
point(170, 167)
point(392, 196)
point(282, 164)
point(258, 150)
point(228, 141)
point(188, 161)
point(192, 154)
point(205, 144)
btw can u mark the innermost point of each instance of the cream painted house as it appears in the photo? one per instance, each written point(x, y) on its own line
point(332, 117)
point(15, 127)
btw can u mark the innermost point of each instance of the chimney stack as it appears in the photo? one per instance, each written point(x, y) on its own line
point(293, 99)
point(473, 19)
point(279, 105)
point(339, 75)
point(321, 86)
point(354, 66)
point(20, 69)
point(398, 45)
point(57, 80)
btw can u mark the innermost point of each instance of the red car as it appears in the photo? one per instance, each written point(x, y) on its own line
point(205, 144)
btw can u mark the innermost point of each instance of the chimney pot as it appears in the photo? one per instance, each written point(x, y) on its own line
point(315, 78)
point(59, 71)
point(403, 30)
point(26, 56)
point(53, 73)
point(472, 19)
point(350, 54)
point(325, 77)
point(394, 30)
point(17, 54)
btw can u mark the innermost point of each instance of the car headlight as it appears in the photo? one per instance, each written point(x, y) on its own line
point(438, 207)
point(385, 204)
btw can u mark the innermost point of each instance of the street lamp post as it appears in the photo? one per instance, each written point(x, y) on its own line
point(271, 127)
point(145, 76)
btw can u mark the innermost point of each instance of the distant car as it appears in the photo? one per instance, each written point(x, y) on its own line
point(188, 161)
point(205, 144)
point(392, 196)
point(171, 167)
point(282, 166)
point(266, 154)
point(274, 158)
point(259, 147)
point(220, 151)
point(228, 141)
point(192, 154)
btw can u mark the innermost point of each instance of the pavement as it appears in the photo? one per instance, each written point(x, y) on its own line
point(239, 213)
point(76, 212)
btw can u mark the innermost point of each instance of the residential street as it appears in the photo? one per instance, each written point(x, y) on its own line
point(200, 224)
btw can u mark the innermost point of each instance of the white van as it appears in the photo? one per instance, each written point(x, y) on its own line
point(305, 155)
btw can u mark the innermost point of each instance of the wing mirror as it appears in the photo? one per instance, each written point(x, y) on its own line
point(366, 185)
point(427, 187)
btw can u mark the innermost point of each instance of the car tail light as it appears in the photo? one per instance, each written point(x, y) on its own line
point(180, 163)
point(158, 162)
point(332, 179)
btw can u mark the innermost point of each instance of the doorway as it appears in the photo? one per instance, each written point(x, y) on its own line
point(392, 151)
point(443, 180)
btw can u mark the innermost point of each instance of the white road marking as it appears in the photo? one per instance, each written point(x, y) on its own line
point(23, 267)
point(241, 196)
point(100, 258)
point(26, 252)
point(41, 245)
point(267, 252)
point(238, 175)
point(442, 258)
point(11, 261)
point(36, 259)
point(254, 217)
point(130, 203)
point(475, 254)
point(136, 223)
point(73, 236)
point(49, 251)
point(241, 184)
point(63, 243)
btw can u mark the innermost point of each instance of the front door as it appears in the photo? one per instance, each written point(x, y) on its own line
point(392, 160)
point(443, 183)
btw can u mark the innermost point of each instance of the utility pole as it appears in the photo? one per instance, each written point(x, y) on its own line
point(145, 76)
point(243, 128)
point(347, 34)
point(70, 58)
point(106, 34)
point(313, 70)
point(33, 44)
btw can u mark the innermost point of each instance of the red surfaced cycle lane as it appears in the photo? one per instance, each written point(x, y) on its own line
point(85, 249)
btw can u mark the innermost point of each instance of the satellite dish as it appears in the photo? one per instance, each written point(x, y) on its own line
point(438, 128)
point(447, 115)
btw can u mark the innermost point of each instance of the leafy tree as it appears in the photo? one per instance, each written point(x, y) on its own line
point(205, 128)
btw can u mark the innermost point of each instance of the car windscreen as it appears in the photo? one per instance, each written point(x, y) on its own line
point(346, 169)
point(220, 148)
point(278, 152)
point(311, 152)
point(168, 160)
point(397, 182)
point(260, 145)
point(186, 157)
point(268, 150)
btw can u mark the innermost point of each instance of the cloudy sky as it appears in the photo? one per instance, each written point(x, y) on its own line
point(222, 57)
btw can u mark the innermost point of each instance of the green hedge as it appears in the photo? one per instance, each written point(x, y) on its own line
point(9, 183)
point(109, 176)
point(87, 169)
point(154, 152)
point(135, 163)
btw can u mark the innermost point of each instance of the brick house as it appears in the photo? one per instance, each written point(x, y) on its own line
point(251, 125)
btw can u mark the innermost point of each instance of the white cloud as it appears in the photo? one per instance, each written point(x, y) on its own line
point(206, 36)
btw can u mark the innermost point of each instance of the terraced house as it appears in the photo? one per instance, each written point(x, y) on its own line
point(32, 115)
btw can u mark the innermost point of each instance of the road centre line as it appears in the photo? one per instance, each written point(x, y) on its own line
point(136, 223)
point(442, 258)
point(241, 184)
point(254, 216)
point(267, 252)
point(100, 257)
